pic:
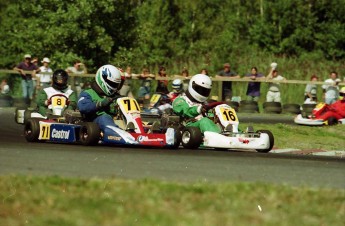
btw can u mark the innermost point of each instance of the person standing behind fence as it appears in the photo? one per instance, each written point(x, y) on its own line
point(227, 86)
point(44, 80)
point(253, 90)
point(273, 94)
point(78, 68)
point(310, 92)
point(162, 86)
point(126, 89)
point(185, 76)
point(27, 84)
point(331, 88)
point(145, 88)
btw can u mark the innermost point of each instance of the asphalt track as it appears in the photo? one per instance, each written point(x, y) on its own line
point(19, 157)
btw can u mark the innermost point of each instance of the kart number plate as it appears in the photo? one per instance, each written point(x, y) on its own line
point(130, 104)
point(44, 131)
point(228, 114)
point(58, 101)
point(155, 98)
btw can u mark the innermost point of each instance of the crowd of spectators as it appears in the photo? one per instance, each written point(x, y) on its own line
point(40, 78)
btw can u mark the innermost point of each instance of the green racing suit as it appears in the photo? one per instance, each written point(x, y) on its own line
point(191, 112)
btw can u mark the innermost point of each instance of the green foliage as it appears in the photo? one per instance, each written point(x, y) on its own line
point(304, 37)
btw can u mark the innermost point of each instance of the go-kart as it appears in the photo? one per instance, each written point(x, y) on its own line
point(69, 127)
point(231, 137)
point(159, 103)
point(314, 119)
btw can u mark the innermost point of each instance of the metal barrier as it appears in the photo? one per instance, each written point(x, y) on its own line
point(172, 77)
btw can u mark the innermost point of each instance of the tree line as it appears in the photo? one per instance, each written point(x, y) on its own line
point(174, 33)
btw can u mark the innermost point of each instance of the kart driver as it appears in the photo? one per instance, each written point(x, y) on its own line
point(337, 109)
point(59, 86)
point(190, 105)
point(97, 103)
point(177, 86)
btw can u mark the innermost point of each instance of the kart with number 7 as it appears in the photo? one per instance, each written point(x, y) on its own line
point(70, 128)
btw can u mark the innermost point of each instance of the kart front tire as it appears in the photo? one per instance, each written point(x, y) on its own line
point(191, 137)
point(32, 130)
point(271, 138)
point(89, 133)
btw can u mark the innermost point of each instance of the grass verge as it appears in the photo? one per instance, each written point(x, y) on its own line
point(60, 201)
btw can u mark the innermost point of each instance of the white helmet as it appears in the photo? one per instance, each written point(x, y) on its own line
point(177, 85)
point(109, 79)
point(200, 87)
point(342, 93)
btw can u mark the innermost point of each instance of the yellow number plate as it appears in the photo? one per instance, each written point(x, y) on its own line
point(130, 104)
point(44, 132)
point(58, 101)
point(155, 99)
point(228, 114)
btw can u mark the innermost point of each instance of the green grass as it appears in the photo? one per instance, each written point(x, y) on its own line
point(60, 201)
point(304, 137)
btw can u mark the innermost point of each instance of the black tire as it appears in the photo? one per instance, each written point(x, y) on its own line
point(308, 107)
point(292, 108)
point(275, 110)
point(235, 105)
point(89, 133)
point(191, 137)
point(332, 121)
point(32, 130)
point(272, 104)
point(248, 106)
point(271, 137)
point(5, 101)
point(20, 102)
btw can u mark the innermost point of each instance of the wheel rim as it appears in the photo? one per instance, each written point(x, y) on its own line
point(84, 134)
point(28, 131)
point(186, 137)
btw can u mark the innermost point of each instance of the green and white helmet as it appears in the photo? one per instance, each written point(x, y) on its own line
point(109, 79)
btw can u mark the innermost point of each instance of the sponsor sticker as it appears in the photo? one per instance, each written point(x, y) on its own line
point(147, 139)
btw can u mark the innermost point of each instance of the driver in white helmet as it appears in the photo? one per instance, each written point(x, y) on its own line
point(190, 105)
point(97, 104)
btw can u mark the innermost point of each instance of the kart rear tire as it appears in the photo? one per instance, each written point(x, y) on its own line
point(191, 137)
point(271, 137)
point(32, 130)
point(27, 115)
point(89, 133)
point(332, 121)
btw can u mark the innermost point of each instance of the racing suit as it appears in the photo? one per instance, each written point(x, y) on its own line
point(191, 112)
point(48, 92)
point(336, 110)
point(88, 108)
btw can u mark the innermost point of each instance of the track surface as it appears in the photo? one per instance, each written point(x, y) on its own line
point(19, 157)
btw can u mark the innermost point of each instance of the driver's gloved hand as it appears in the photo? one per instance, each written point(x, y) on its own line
point(104, 103)
point(203, 110)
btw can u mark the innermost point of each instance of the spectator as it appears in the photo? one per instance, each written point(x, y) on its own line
point(273, 94)
point(162, 86)
point(253, 90)
point(126, 89)
point(78, 68)
point(145, 88)
point(4, 87)
point(310, 92)
point(59, 86)
point(331, 88)
point(44, 80)
point(34, 77)
point(185, 75)
point(227, 86)
point(204, 71)
point(27, 84)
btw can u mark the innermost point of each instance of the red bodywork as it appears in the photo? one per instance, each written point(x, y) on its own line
point(336, 110)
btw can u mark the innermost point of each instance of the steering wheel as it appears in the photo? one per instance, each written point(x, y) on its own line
point(206, 107)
